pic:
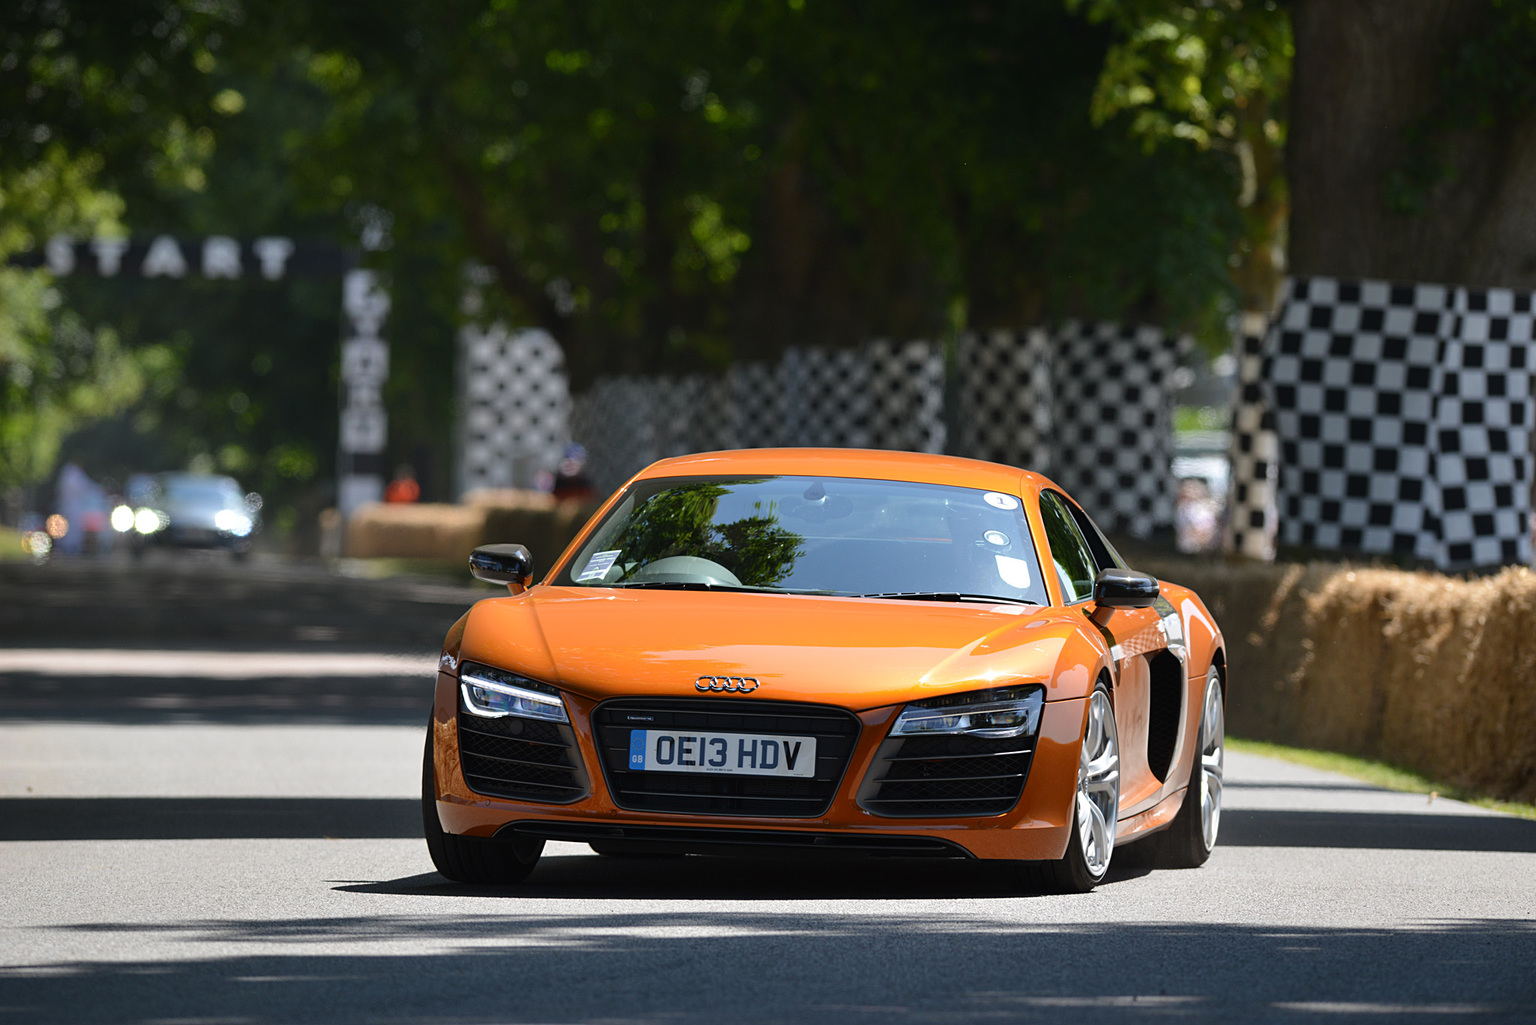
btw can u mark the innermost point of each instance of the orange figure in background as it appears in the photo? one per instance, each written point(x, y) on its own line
point(404, 487)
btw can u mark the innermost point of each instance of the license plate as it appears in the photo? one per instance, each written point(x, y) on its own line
point(749, 754)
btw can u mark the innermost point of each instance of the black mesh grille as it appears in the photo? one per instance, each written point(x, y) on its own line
point(520, 758)
point(834, 730)
point(947, 776)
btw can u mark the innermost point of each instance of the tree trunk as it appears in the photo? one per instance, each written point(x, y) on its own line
point(1368, 105)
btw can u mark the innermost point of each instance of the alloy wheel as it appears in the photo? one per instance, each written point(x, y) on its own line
point(1098, 785)
point(1212, 762)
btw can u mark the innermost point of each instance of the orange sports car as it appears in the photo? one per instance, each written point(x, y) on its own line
point(782, 650)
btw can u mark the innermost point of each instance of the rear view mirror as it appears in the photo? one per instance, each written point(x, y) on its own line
point(1125, 589)
point(502, 564)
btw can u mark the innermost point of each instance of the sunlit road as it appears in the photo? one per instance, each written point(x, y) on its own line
point(200, 832)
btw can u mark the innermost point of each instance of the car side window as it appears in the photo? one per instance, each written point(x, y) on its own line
point(1070, 553)
point(1104, 554)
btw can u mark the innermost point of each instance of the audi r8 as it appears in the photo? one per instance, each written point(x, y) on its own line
point(829, 650)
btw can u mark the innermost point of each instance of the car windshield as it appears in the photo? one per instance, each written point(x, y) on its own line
point(203, 492)
point(824, 535)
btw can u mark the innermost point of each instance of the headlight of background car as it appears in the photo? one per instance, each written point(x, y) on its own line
point(232, 522)
point(494, 693)
point(147, 521)
point(998, 714)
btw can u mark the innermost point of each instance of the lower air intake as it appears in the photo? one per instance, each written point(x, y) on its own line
point(947, 776)
point(522, 759)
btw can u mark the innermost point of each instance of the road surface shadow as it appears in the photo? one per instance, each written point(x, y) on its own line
point(373, 700)
point(186, 818)
point(686, 965)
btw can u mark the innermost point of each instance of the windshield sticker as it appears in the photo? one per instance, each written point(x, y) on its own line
point(998, 500)
point(599, 565)
point(996, 537)
point(1015, 572)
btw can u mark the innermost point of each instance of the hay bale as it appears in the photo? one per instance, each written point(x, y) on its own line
point(509, 498)
point(426, 530)
point(546, 532)
point(1430, 672)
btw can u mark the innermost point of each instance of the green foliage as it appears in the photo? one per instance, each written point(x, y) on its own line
point(1214, 76)
point(1198, 72)
point(680, 521)
point(1490, 79)
point(665, 187)
point(55, 374)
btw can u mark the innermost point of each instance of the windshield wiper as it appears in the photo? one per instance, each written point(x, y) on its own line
point(678, 585)
point(947, 596)
point(699, 585)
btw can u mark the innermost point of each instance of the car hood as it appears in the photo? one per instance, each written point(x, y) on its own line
point(858, 653)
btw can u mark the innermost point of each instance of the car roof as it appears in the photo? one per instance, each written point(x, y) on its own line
point(873, 464)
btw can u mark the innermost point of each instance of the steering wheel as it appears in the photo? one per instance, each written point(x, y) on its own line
point(687, 569)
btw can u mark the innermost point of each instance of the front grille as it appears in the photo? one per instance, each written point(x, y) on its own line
point(835, 730)
point(947, 776)
point(523, 759)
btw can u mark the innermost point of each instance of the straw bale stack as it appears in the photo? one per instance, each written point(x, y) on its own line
point(448, 533)
point(412, 530)
point(1431, 672)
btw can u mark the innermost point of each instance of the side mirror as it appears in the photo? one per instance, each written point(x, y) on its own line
point(1125, 589)
point(502, 564)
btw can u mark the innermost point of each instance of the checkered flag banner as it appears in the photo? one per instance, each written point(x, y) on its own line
point(1403, 414)
point(1005, 417)
point(1112, 435)
point(515, 406)
point(884, 395)
point(1089, 403)
point(1254, 452)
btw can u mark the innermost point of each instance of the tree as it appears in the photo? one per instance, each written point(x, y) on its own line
point(1213, 77)
point(86, 95)
point(669, 187)
point(1413, 142)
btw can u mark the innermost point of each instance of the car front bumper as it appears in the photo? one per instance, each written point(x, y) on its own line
point(1036, 828)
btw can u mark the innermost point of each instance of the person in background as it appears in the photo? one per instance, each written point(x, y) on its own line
point(571, 483)
point(83, 504)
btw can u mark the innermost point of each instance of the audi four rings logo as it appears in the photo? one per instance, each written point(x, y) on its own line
point(736, 684)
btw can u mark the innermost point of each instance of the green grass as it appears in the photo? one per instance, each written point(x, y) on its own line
point(1380, 774)
point(10, 546)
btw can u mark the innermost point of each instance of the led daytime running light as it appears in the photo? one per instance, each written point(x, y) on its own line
point(493, 695)
point(996, 714)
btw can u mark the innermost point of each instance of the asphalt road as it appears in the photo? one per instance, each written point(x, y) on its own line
point(201, 831)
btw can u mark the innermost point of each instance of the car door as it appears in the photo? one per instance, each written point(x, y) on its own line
point(1135, 637)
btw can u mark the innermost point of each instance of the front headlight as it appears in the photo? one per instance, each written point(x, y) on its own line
point(494, 693)
point(147, 521)
point(998, 714)
point(232, 522)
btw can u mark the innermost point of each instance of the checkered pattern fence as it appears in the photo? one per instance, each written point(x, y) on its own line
point(1404, 419)
point(881, 396)
point(1090, 404)
point(514, 406)
point(1113, 430)
point(1255, 451)
point(1004, 415)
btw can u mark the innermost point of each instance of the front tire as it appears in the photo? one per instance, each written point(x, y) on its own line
point(470, 859)
point(1191, 836)
point(1095, 807)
